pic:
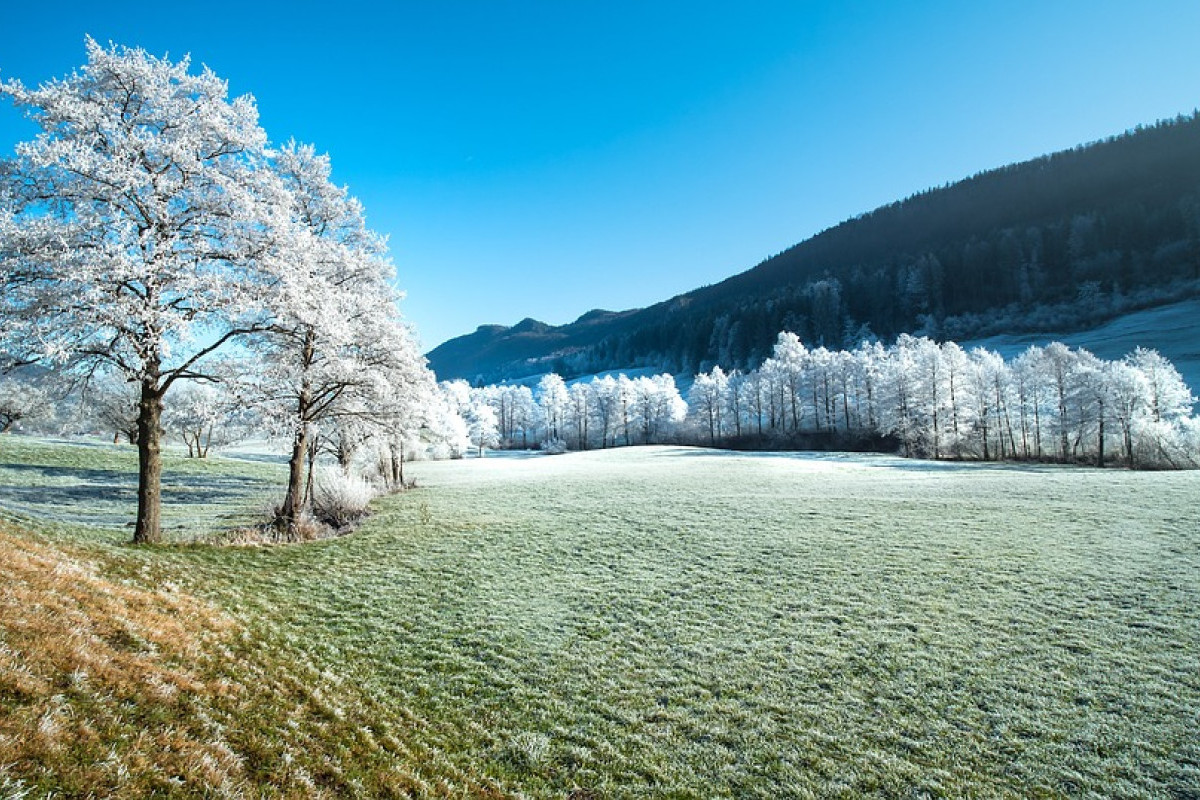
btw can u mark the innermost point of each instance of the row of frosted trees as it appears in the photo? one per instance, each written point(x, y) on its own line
point(939, 400)
point(917, 396)
point(606, 411)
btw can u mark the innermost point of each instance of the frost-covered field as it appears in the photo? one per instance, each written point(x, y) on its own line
point(669, 622)
point(781, 625)
point(94, 483)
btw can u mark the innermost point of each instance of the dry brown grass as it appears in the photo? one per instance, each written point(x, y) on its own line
point(97, 680)
point(110, 689)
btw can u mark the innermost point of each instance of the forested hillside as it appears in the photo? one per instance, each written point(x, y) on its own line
point(1060, 242)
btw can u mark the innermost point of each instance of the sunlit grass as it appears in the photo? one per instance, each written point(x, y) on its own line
point(678, 623)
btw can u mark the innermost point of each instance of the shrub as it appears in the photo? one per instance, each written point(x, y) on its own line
point(339, 500)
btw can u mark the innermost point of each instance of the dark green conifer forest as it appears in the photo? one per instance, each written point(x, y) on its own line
point(1060, 242)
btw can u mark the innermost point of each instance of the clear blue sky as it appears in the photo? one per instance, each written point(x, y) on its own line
point(546, 158)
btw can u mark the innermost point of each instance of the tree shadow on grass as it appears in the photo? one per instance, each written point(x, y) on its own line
point(109, 497)
point(872, 460)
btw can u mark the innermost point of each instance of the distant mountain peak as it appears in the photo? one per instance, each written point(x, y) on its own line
point(594, 315)
point(529, 325)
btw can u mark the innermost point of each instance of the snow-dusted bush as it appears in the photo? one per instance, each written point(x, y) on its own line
point(339, 499)
point(553, 447)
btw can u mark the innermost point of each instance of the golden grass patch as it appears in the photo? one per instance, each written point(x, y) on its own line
point(111, 689)
point(98, 679)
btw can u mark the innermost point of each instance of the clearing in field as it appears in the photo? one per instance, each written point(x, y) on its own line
point(672, 622)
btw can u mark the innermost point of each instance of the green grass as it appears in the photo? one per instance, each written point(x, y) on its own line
point(678, 623)
point(93, 485)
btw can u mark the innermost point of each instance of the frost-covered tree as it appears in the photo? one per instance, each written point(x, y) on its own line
point(517, 412)
point(580, 412)
point(203, 415)
point(1032, 394)
point(478, 415)
point(21, 401)
point(706, 400)
point(959, 372)
point(133, 231)
point(870, 358)
point(1166, 425)
point(790, 359)
point(900, 408)
point(606, 406)
point(553, 399)
point(1128, 392)
point(404, 418)
point(111, 403)
point(972, 398)
point(657, 405)
point(1057, 363)
point(335, 349)
point(444, 429)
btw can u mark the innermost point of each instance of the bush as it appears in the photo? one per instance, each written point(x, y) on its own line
point(339, 500)
point(554, 447)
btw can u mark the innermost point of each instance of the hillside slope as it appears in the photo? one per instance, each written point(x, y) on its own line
point(1062, 242)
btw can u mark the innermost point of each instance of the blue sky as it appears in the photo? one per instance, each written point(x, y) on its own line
point(546, 158)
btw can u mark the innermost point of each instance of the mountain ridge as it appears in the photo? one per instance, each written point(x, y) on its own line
point(1071, 237)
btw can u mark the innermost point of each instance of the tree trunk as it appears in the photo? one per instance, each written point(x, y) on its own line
point(293, 501)
point(148, 529)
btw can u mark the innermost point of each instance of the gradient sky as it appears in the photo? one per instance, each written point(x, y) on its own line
point(547, 158)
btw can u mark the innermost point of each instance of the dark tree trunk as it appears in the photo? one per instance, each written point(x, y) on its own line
point(293, 500)
point(148, 529)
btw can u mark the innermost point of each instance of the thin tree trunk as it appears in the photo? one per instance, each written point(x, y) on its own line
point(148, 529)
point(293, 500)
point(314, 446)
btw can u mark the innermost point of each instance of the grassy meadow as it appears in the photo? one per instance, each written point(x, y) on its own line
point(648, 622)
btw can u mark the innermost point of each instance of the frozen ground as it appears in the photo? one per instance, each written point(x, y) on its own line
point(94, 483)
point(676, 622)
point(683, 622)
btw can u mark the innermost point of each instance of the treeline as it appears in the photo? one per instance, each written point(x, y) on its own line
point(1058, 243)
point(916, 397)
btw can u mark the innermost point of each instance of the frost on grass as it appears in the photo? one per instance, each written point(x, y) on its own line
point(786, 625)
point(651, 621)
point(111, 690)
point(94, 484)
point(82, 658)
